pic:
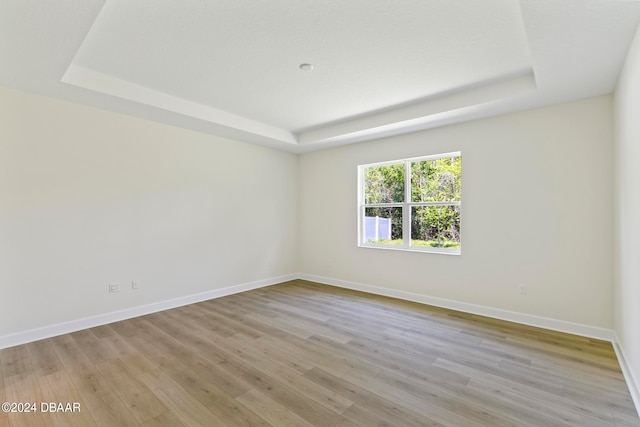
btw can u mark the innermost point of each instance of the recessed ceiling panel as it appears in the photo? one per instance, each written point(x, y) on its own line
point(243, 57)
point(380, 67)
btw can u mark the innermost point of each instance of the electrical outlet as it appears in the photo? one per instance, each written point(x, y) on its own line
point(522, 288)
point(114, 287)
point(135, 285)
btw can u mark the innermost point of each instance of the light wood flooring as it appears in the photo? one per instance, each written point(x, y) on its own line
point(303, 354)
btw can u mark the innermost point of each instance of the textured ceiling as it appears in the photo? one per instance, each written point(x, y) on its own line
point(380, 67)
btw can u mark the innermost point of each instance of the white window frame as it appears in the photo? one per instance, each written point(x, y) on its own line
point(406, 207)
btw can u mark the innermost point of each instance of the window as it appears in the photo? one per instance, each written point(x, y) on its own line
point(411, 204)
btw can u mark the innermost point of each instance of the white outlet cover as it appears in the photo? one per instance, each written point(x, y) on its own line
point(114, 287)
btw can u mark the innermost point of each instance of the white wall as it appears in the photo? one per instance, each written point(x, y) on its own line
point(627, 212)
point(537, 209)
point(88, 197)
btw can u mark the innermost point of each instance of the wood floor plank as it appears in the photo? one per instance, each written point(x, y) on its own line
point(302, 353)
point(103, 331)
point(274, 413)
point(313, 315)
point(570, 411)
point(181, 403)
point(365, 417)
point(295, 380)
point(273, 366)
point(70, 353)
point(375, 404)
point(521, 415)
point(227, 408)
point(141, 401)
point(120, 346)
point(268, 351)
point(576, 369)
point(437, 406)
point(314, 327)
point(622, 420)
point(283, 394)
point(164, 356)
point(24, 388)
point(92, 347)
point(547, 413)
point(4, 417)
point(58, 388)
point(206, 382)
point(43, 358)
point(167, 419)
point(281, 325)
point(16, 361)
point(214, 321)
point(101, 399)
point(306, 356)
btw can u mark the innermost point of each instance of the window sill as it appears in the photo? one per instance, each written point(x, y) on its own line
point(440, 251)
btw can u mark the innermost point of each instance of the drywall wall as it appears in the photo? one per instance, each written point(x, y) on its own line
point(89, 197)
point(627, 212)
point(537, 210)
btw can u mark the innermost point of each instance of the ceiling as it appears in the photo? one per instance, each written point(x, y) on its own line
point(380, 67)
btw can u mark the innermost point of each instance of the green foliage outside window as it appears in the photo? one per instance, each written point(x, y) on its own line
point(385, 184)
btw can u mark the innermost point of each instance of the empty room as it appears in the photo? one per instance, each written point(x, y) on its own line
point(319, 213)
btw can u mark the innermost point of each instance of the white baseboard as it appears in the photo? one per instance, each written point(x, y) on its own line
point(115, 316)
point(633, 381)
point(511, 316)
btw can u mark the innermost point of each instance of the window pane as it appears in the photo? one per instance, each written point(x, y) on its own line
point(436, 226)
point(384, 184)
point(383, 226)
point(436, 180)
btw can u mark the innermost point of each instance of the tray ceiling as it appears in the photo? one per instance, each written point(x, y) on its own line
point(232, 68)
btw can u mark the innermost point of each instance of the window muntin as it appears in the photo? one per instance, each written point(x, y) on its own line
point(411, 204)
